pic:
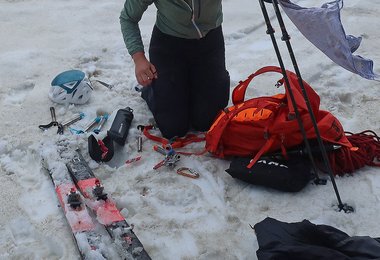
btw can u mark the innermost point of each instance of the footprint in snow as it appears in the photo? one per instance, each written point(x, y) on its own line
point(18, 94)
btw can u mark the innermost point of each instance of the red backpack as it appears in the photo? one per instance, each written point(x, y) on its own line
point(253, 127)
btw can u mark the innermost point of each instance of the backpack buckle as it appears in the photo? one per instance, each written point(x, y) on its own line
point(279, 83)
point(291, 116)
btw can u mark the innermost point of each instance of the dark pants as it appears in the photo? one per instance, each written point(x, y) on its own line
point(193, 84)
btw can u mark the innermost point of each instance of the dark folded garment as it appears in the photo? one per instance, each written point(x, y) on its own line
point(305, 240)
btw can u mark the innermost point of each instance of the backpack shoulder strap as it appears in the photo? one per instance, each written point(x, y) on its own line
point(215, 132)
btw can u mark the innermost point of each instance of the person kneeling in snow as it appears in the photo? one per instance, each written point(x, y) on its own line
point(185, 82)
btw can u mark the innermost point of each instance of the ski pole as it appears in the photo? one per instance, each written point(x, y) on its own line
point(285, 37)
point(271, 31)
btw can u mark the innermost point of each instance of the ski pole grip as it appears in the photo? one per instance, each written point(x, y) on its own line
point(120, 125)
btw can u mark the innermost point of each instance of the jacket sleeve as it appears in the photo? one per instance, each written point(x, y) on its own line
point(129, 19)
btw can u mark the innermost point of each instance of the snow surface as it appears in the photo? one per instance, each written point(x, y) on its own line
point(175, 217)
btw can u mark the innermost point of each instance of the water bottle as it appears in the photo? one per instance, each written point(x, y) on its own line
point(120, 125)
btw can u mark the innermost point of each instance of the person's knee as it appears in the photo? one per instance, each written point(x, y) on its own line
point(205, 112)
point(172, 126)
point(147, 95)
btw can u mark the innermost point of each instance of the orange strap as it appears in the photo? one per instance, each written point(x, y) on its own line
point(177, 142)
point(263, 150)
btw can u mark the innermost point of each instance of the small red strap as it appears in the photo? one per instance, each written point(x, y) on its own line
point(103, 148)
point(263, 150)
point(161, 140)
point(283, 151)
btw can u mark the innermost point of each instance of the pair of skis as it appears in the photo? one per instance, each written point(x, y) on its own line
point(80, 195)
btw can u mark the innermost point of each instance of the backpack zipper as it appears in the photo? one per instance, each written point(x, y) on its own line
point(199, 9)
point(192, 7)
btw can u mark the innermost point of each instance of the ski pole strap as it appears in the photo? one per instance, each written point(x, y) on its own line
point(177, 142)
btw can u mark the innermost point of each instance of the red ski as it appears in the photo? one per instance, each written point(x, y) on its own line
point(72, 205)
point(105, 208)
point(86, 234)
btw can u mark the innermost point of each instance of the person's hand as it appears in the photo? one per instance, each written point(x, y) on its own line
point(144, 70)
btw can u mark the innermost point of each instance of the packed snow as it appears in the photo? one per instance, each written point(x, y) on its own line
point(175, 217)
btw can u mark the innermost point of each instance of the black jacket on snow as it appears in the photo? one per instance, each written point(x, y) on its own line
point(305, 240)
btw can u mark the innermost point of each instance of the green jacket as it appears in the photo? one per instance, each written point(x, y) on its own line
point(189, 19)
